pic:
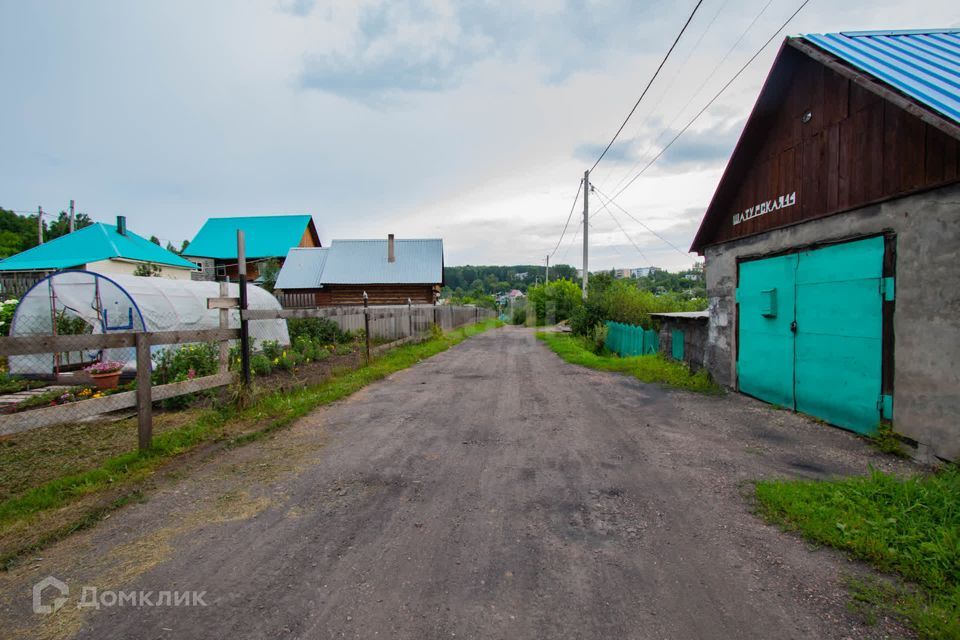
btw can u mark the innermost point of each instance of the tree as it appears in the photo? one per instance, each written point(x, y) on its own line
point(148, 270)
point(556, 301)
point(269, 271)
point(155, 240)
point(61, 225)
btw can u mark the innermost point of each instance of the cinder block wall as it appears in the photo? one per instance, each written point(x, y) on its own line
point(927, 313)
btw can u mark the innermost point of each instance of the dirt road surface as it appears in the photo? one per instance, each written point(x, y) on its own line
point(492, 491)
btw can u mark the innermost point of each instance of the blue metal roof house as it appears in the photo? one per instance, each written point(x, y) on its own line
point(101, 248)
point(390, 271)
point(832, 239)
point(214, 248)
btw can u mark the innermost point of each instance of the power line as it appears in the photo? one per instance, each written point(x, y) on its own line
point(570, 215)
point(712, 100)
point(647, 88)
point(703, 85)
point(635, 245)
point(629, 215)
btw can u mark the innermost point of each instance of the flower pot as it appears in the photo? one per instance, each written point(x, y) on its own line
point(106, 380)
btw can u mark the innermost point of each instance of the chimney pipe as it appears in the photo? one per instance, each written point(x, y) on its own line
point(122, 225)
point(391, 256)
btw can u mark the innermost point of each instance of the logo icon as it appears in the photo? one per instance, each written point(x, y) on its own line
point(59, 601)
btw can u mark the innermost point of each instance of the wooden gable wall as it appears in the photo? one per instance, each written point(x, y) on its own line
point(856, 149)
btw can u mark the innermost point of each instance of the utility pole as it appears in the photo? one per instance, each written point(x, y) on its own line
point(586, 227)
point(39, 225)
point(546, 276)
point(71, 217)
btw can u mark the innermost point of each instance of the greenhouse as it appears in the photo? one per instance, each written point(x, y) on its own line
point(79, 302)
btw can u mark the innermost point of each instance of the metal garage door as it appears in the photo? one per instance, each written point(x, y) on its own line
point(810, 332)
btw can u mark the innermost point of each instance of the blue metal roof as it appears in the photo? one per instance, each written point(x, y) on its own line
point(302, 269)
point(98, 241)
point(264, 236)
point(923, 64)
point(363, 262)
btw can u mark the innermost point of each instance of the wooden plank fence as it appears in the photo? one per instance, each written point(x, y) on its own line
point(400, 324)
point(142, 398)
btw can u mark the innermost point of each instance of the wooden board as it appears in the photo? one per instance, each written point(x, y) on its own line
point(75, 411)
point(25, 345)
point(860, 145)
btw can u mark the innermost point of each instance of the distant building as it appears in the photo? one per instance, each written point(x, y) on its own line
point(636, 272)
point(390, 272)
point(643, 272)
point(522, 275)
point(102, 248)
point(214, 248)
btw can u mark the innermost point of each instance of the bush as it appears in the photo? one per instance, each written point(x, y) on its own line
point(555, 301)
point(186, 362)
point(623, 301)
point(260, 365)
point(320, 330)
point(519, 315)
point(7, 307)
point(271, 349)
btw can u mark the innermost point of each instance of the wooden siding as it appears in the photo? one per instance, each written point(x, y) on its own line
point(858, 148)
point(378, 294)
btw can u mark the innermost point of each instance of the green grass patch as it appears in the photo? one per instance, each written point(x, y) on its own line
point(267, 412)
point(649, 368)
point(910, 527)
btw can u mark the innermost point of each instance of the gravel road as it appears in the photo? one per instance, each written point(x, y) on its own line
point(492, 491)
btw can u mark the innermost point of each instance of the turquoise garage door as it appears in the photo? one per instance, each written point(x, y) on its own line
point(810, 332)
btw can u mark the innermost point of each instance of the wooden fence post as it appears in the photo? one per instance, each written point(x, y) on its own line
point(144, 395)
point(244, 324)
point(409, 318)
point(366, 323)
point(224, 324)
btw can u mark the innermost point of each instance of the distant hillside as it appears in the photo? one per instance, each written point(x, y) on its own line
point(491, 279)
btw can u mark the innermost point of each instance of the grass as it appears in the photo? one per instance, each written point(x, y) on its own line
point(885, 441)
point(909, 527)
point(648, 368)
point(267, 413)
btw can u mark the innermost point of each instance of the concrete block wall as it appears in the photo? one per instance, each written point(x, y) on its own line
point(926, 317)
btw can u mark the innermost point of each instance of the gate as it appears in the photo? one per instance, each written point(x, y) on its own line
point(810, 332)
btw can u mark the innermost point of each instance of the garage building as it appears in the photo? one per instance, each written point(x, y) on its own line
point(832, 242)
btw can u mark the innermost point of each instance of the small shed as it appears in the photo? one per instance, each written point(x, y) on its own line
point(832, 237)
point(683, 336)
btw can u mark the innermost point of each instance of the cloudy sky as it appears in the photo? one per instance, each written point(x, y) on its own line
point(470, 121)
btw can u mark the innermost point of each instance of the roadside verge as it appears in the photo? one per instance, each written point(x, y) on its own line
point(57, 507)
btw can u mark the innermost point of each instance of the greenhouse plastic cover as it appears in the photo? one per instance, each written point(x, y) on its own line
point(122, 303)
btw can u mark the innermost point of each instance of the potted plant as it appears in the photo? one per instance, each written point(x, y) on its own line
point(105, 374)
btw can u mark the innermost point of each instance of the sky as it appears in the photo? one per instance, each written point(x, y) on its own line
point(468, 121)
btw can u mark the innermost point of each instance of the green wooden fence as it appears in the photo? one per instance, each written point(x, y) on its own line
point(629, 340)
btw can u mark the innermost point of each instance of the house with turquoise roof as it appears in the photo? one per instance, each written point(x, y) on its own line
point(102, 248)
point(266, 239)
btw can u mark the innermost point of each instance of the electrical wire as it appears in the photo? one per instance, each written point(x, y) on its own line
point(647, 88)
point(712, 100)
point(635, 245)
point(569, 216)
point(694, 96)
point(610, 200)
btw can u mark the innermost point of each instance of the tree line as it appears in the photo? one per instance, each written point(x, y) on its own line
point(19, 232)
point(474, 280)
